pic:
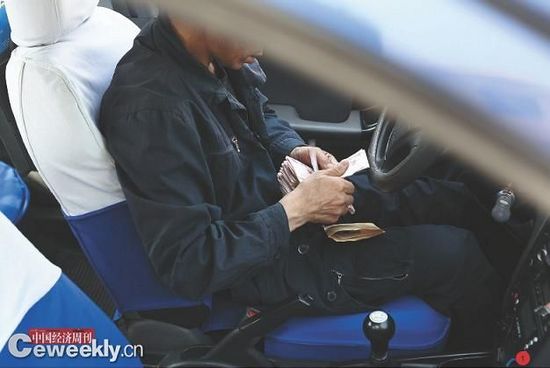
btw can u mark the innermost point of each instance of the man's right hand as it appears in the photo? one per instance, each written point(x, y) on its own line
point(322, 198)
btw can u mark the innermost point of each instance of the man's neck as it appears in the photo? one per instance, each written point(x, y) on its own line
point(195, 44)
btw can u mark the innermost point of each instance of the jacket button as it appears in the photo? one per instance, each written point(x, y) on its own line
point(303, 248)
point(331, 296)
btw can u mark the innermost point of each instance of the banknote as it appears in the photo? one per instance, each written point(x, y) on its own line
point(352, 232)
point(300, 170)
point(357, 162)
point(292, 173)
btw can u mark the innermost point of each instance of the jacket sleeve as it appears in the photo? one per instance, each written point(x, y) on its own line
point(282, 138)
point(165, 177)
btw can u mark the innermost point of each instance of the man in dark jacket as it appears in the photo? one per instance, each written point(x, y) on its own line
point(197, 152)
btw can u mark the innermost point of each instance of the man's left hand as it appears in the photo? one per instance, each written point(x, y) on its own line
point(304, 154)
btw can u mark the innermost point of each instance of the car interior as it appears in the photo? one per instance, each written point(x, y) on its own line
point(78, 219)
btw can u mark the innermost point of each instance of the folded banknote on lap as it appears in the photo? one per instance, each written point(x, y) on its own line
point(352, 232)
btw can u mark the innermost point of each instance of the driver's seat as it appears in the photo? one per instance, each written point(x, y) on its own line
point(55, 84)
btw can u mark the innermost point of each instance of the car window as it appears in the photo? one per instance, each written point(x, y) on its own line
point(464, 47)
point(540, 6)
point(483, 96)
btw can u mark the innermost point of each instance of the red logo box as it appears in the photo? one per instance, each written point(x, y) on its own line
point(63, 336)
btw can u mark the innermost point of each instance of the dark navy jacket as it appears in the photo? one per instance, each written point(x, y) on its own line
point(198, 168)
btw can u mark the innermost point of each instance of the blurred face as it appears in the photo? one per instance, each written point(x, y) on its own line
point(232, 54)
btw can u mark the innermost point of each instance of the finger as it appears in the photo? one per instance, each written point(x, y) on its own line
point(324, 163)
point(332, 160)
point(326, 160)
point(348, 200)
point(314, 159)
point(349, 188)
point(301, 154)
point(337, 170)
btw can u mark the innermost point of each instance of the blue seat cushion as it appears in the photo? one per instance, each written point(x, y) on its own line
point(66, 306)
point(14, 194)
point(111, 243)
point(419, 329)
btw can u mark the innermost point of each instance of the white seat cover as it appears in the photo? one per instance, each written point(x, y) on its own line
point(25, 277)
point(66, 55)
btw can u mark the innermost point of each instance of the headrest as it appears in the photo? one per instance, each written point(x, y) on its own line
point(43, 22)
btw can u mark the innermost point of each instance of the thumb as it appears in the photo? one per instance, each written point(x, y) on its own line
point(337, 170)
point(326, 160)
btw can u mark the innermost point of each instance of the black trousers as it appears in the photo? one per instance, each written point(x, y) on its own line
point(441, 264)
point(422, 253)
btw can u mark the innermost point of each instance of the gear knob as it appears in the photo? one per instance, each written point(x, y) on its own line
point(379, 328)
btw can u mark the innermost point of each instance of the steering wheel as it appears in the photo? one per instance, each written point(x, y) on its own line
point(398, 153)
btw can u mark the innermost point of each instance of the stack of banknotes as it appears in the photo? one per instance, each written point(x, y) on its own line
point(293, 172)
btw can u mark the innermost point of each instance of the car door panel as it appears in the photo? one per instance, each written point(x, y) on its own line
point(320, 115)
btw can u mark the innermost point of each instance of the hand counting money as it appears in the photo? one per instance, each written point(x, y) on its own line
point(293, 172)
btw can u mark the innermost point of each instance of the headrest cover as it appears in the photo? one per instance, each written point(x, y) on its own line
point(43, 22)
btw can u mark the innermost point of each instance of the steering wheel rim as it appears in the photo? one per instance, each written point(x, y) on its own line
point(391, 138)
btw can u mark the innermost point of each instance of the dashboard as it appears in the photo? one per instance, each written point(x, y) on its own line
point(525, 326)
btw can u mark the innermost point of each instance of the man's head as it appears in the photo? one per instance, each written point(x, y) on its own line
point(205, 45)
point(232, 54)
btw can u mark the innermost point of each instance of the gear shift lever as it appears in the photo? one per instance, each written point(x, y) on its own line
point(379, 329)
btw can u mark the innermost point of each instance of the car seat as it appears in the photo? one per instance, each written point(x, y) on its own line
point(36, 294)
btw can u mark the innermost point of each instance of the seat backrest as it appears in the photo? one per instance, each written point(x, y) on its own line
point(66, 55)
point(35, 294)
